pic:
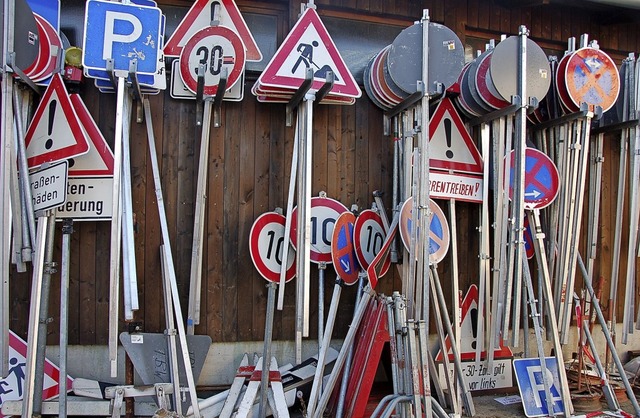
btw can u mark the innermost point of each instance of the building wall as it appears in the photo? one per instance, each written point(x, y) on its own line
point(248, 174)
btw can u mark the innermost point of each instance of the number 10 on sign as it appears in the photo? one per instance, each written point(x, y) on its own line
point(266, 244)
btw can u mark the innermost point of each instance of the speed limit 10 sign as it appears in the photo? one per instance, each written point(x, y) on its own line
point(266, 244)
point(324, 212)
point(215, 48)
point(368, 236)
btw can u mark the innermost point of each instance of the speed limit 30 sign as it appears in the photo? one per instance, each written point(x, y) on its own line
point(215, 48)
point(266, 243)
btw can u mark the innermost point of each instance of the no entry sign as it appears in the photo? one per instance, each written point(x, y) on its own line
point(324, 212)
point(540, 179)
point(342, 251)
point(266, 242)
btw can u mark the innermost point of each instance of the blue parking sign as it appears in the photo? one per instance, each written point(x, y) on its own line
point(529, 375)
point(122, 32)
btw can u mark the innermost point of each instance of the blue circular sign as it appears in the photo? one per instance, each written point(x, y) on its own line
point(438, 230)
point(541, 179)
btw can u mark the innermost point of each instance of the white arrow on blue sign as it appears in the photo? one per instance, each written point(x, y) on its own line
point(122, 32)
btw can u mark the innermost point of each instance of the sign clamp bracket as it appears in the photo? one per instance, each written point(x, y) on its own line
point(23, 77)
point(135, 88)
point(299, 95)
point(217, 99)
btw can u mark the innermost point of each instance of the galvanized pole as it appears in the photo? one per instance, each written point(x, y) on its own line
point(266, 352)
point(67, 230)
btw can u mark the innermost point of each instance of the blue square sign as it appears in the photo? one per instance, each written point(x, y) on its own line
point(530, 377)
point(122, 32)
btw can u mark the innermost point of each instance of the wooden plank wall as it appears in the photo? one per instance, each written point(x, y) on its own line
point(249, 164)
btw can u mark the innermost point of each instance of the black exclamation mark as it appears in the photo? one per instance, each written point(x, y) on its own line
point(52, 113)
point(474, 323)
point(447, 133)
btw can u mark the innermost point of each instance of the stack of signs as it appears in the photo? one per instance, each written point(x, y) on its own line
point(214, 36)
point(47, 39)
point(392, 74)
point(63, 129)
point(118, 34)
point(308, 45)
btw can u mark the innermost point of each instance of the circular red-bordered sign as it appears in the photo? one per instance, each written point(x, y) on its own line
point(592, 77)
point(438, 230)
point(342, 252)
point(541, 179)
point(368, 237)
point(266, 244)
point(215, 47)
point(324, 212)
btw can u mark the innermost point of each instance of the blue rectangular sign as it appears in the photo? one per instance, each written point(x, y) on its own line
point(122, 32)
point(531, 385)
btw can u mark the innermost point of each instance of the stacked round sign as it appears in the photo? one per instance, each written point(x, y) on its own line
point(50, 48)
point(587, 75)
point(489, 81)
point(392, 74)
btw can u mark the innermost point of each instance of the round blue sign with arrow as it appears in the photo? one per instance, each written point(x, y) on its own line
point(342, 251)
point(541, 179)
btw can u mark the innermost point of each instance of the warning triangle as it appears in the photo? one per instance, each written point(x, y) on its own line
point(309, 45)
point(12, 384)
point(200, 16)
point(468, 331)
point(55, 133)
point(450, 145)
point(99, 160)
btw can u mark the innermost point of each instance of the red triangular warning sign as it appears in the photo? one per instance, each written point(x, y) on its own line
point(12, 384)
point(99, 160)
point(309, 45)
point(55, 133)
point(468, 330)
point(200, 16)
point(450, 145)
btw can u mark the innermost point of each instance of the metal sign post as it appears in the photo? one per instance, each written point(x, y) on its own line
point(195, 284)
point(170, 269)
point(67, 230)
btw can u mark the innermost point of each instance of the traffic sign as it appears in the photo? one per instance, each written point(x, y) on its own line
point(477, 375)
point(439, 230)
point(541, 179)
point(450, 145)
point(47, 9)
point(592, 77)
point(215, 47)
point(456, 186)
point(200, 16)
point(51, 42)
point(368, 236)
point(377, 267)
point(528, 239)
point(179, 90)
point(469, 319)
point(49, 186)
point(309, 45)
point(343, 255)
point(266, 244)
point(26, 36)
point(12, 385)
point(530, 378)
point(54, 133)
point(88, 199)
point(99, 160)
point(324, 212)
point(122, 32)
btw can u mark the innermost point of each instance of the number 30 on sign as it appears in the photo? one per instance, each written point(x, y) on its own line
point(266, 244)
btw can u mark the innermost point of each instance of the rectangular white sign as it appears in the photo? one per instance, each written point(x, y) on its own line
point(455, 186)
point(48, 186)
point(478, 377)
point(88, 199)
